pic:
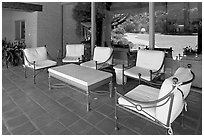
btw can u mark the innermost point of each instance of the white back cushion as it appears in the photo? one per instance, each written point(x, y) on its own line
point(183, 74)
point(75, 50)
point(101, 54)
point(35, 54)
point(150, 59)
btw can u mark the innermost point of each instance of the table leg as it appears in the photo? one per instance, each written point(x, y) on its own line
point(111, 88)
point(88, 103)
point(49, 81)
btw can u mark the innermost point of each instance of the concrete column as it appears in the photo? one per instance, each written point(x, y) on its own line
point(107, 29)
point(93, 26)
point(151, 26)
point(200, 28)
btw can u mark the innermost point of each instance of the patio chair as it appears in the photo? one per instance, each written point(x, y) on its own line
point(149, 64)
point(74, 53)
point(37, 59)
point(102, 58)
point(160, 106)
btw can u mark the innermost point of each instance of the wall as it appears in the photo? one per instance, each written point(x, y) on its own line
point(8, 25)
point(69, 25)
point(50, 27)
point(44, 28)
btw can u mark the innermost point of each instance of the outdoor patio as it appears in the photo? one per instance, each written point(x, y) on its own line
point(32, 109)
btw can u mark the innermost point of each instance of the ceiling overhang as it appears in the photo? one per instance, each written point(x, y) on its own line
point(22, 6)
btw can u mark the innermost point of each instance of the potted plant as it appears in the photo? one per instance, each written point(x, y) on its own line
point(189, 51)
point(12, 53)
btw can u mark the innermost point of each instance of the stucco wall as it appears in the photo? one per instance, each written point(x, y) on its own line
point(69, 27)
point(50, 27)
point(43, 28)
point(8, 26)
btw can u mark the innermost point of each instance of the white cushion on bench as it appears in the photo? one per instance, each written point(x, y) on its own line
point(141, 93)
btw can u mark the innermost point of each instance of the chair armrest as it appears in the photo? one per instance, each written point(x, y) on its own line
point(30, 63)
point(134, 102)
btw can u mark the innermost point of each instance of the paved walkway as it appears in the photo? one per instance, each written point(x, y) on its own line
point(34, 110)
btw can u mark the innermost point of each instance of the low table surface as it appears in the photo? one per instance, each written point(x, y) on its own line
point(79, 74)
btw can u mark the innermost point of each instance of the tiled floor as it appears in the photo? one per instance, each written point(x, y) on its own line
point(33, 109)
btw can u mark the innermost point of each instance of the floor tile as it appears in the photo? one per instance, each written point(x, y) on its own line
point(42, 120)
point(94, 117)
point(152, 129)
point(123, 131)
point(107, 126)
point(50, 105)
point(12, 113)
point(59, 111)
point(66, 132)
point(16, 121)
point(24, 129)
point(80, 127)
point(36, 113)
point(32, 109)
point(69, 118)
point(36, 132)
point(4, 128)
point(65, 100)
point(105, 109)
point(95, 131)
point(8, 107)
point(135, 123)
point(52, 128)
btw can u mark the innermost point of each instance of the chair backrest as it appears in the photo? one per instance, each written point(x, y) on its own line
point(75, 50)
point(183, 75)
point(150, 59)
point(35, 54)
point(101, 54)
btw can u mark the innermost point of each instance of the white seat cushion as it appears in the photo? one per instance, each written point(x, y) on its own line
point(43, 64)
point(89, 64)
point(134, 71)
point(71, 59)
point(141, 93)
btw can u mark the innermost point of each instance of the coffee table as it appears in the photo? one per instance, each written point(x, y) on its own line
point(81, 77)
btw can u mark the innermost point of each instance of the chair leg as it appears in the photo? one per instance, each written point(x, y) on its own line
point(116, 125)
point(34, 76)
point(25, 71)
point(182, 119)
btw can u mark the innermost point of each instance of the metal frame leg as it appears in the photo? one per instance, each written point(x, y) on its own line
point(116, 124)
point(34, 76)
point(88, 104)
point(25, 71)
point(49, 82)
point(111, 88)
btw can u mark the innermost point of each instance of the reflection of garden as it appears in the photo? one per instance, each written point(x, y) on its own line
point(170, 29)
point(177, 42)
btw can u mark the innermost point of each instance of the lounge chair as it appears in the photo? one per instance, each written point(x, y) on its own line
point(37, 59)
point(149, 64)
point(74, 53)
point(102, 58)
point(160, 106)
